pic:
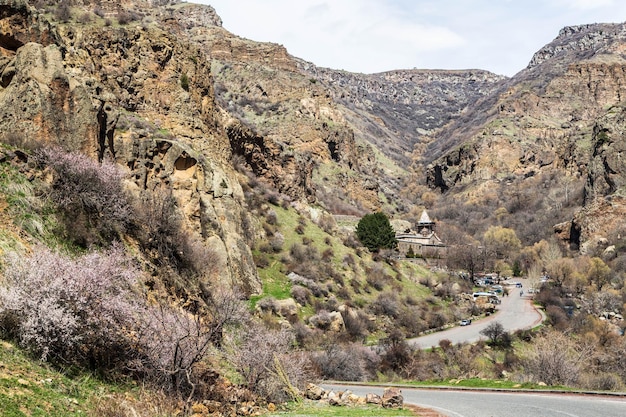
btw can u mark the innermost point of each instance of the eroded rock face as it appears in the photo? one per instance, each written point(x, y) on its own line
point(553, 128)
point(19, 25)
point(138, 95)
point(40, 100)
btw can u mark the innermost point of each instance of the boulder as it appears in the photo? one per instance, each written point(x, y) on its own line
point(334, 398)
point(373, 399)
point(314, 392)
point(336, 322)
point(392, 398)
point(287, 308)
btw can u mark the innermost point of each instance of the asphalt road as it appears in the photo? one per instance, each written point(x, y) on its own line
point(514, 313)
point(455, 403)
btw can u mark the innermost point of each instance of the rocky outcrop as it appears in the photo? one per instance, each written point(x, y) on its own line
point(41, 100)
point(140, 96)
point(392, 397)
point(553, 126)
point(19, 26)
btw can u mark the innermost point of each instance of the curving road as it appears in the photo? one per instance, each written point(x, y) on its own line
point(455, 403)
point(514, 313)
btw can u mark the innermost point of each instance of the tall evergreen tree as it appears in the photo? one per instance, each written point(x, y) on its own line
point(375, 232)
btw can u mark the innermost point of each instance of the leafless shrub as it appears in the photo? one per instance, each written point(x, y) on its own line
point(322, 320)
point(273, 198)
point(84, 18)
point(316, 290)
point(127, 16)
point(271, 217)
point(276, 242)
point(343, 293)
point(261, 260)
point(268, 304)
point(298, 253)
point(351, 362)
point(159, 228)
point(554, 359)
point(602, 381)
point(98, 11)
point(410, 318)
point(301, 295)
point(386, 304)
point(396, 352)
point(269, 229)
point(349, 260)
point(351, 241)
point(557, 317)
point(17, 140)
point(309, 268)
point(377, 281)
point(356, 325)
point(356, 285)
point(435, 319)
point(63, 12)
point(267, 364)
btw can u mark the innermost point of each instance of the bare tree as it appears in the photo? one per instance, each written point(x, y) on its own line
point(496, 334)
point(266, 362)
point(173, 341)
point(555, 359)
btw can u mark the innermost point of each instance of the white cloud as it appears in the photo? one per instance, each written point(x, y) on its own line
point(586, 4)
point(379, 35)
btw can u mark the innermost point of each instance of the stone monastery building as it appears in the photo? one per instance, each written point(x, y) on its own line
point(424, 242)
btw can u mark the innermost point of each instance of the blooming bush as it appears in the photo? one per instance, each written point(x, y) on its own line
point(77, 311)
point(91, 311)
point(89, 195)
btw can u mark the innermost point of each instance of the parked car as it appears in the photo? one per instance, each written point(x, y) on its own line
point(465, 322)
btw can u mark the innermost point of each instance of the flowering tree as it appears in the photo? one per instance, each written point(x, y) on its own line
point(89, 195)
point(70, 310)
point(92, 311)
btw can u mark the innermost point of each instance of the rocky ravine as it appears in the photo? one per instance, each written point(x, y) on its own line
point(295, 122)
point(562, 117)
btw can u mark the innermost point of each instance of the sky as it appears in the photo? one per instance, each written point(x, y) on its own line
point(369, 36)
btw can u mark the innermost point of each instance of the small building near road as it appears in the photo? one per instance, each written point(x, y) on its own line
point(423, 242)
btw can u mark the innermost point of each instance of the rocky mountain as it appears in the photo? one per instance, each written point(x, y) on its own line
point(397, 110)
point(548, 139)
point(170, 94)
point(119, 92)
point(295, 122)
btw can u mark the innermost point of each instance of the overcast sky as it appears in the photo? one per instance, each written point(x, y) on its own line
point(378, 35)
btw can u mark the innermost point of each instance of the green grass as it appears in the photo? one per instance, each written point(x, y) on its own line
point(484, 383)
point(313, 409)
point(275, 283)
point(29, 388)
point(28, 211)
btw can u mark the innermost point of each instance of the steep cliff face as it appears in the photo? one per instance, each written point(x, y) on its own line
point(285, 124)
point(560, 117)
point(138, 95)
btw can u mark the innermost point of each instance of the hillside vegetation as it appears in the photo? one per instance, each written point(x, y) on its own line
point(183, 215)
